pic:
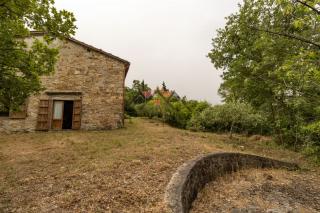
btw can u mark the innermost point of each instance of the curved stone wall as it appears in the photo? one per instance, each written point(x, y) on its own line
point(192, 176)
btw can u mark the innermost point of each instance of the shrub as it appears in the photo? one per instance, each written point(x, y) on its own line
point(130, 109)
point(312, 140)
point(231, 117)
point(312, 151)
point(312, 132)
point(149, 110)
point(177, 114)
point(200, 107)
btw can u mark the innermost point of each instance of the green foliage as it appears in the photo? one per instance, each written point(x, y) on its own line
point(149, 110)
point(311, 133)
point(269, 52)
point(129, 102)
point(177, 114)
point(313, 152)
point(136, 95)
point(22, 64)
point(174, 113)
point(230, 117)
point(197, 107)
point(197, 115)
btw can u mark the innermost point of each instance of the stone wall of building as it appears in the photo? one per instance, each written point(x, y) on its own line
point(99, 79)
point(27, 124)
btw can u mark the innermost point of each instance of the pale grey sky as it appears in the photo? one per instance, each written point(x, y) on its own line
point(165, 40)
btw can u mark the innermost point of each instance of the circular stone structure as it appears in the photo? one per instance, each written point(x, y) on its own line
point(192, 176)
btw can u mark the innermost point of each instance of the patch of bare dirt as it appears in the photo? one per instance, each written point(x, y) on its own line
point(260, 191)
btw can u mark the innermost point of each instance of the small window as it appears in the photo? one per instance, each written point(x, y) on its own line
point(20, 113)
point(58, 110)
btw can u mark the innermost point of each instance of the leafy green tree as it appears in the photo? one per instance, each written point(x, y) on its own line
point(270, 56)
point(22, 64)
point(164, 86)
point(139, 90)
point(139, 93)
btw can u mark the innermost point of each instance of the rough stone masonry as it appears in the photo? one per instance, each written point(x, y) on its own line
point(84, 73)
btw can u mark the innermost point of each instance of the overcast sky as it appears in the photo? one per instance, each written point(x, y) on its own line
point(165, 40)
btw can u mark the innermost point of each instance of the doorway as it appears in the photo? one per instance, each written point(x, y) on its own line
point(67, 115)
point(62, 115)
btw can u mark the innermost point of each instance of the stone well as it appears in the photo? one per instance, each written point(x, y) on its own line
point(192, 176)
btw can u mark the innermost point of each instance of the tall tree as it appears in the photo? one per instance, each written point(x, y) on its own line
point(164, 86)
point(269, 52)
point(136, 94)
point(22, 64)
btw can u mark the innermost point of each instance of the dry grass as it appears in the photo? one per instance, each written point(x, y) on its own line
point(262, 190)
point(124, 170)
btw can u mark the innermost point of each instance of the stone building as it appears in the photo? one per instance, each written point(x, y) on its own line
point(85, 92)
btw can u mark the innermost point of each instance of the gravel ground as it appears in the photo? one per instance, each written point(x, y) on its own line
point(259, 191)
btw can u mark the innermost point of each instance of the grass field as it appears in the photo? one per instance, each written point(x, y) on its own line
point(123, 170)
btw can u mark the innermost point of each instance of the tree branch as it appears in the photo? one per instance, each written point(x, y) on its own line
point(298, 38)
point(309, 6)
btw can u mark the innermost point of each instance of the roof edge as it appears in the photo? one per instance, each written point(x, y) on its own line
point(127, 63)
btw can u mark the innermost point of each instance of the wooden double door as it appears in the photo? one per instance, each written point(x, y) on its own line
point(59, 115)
